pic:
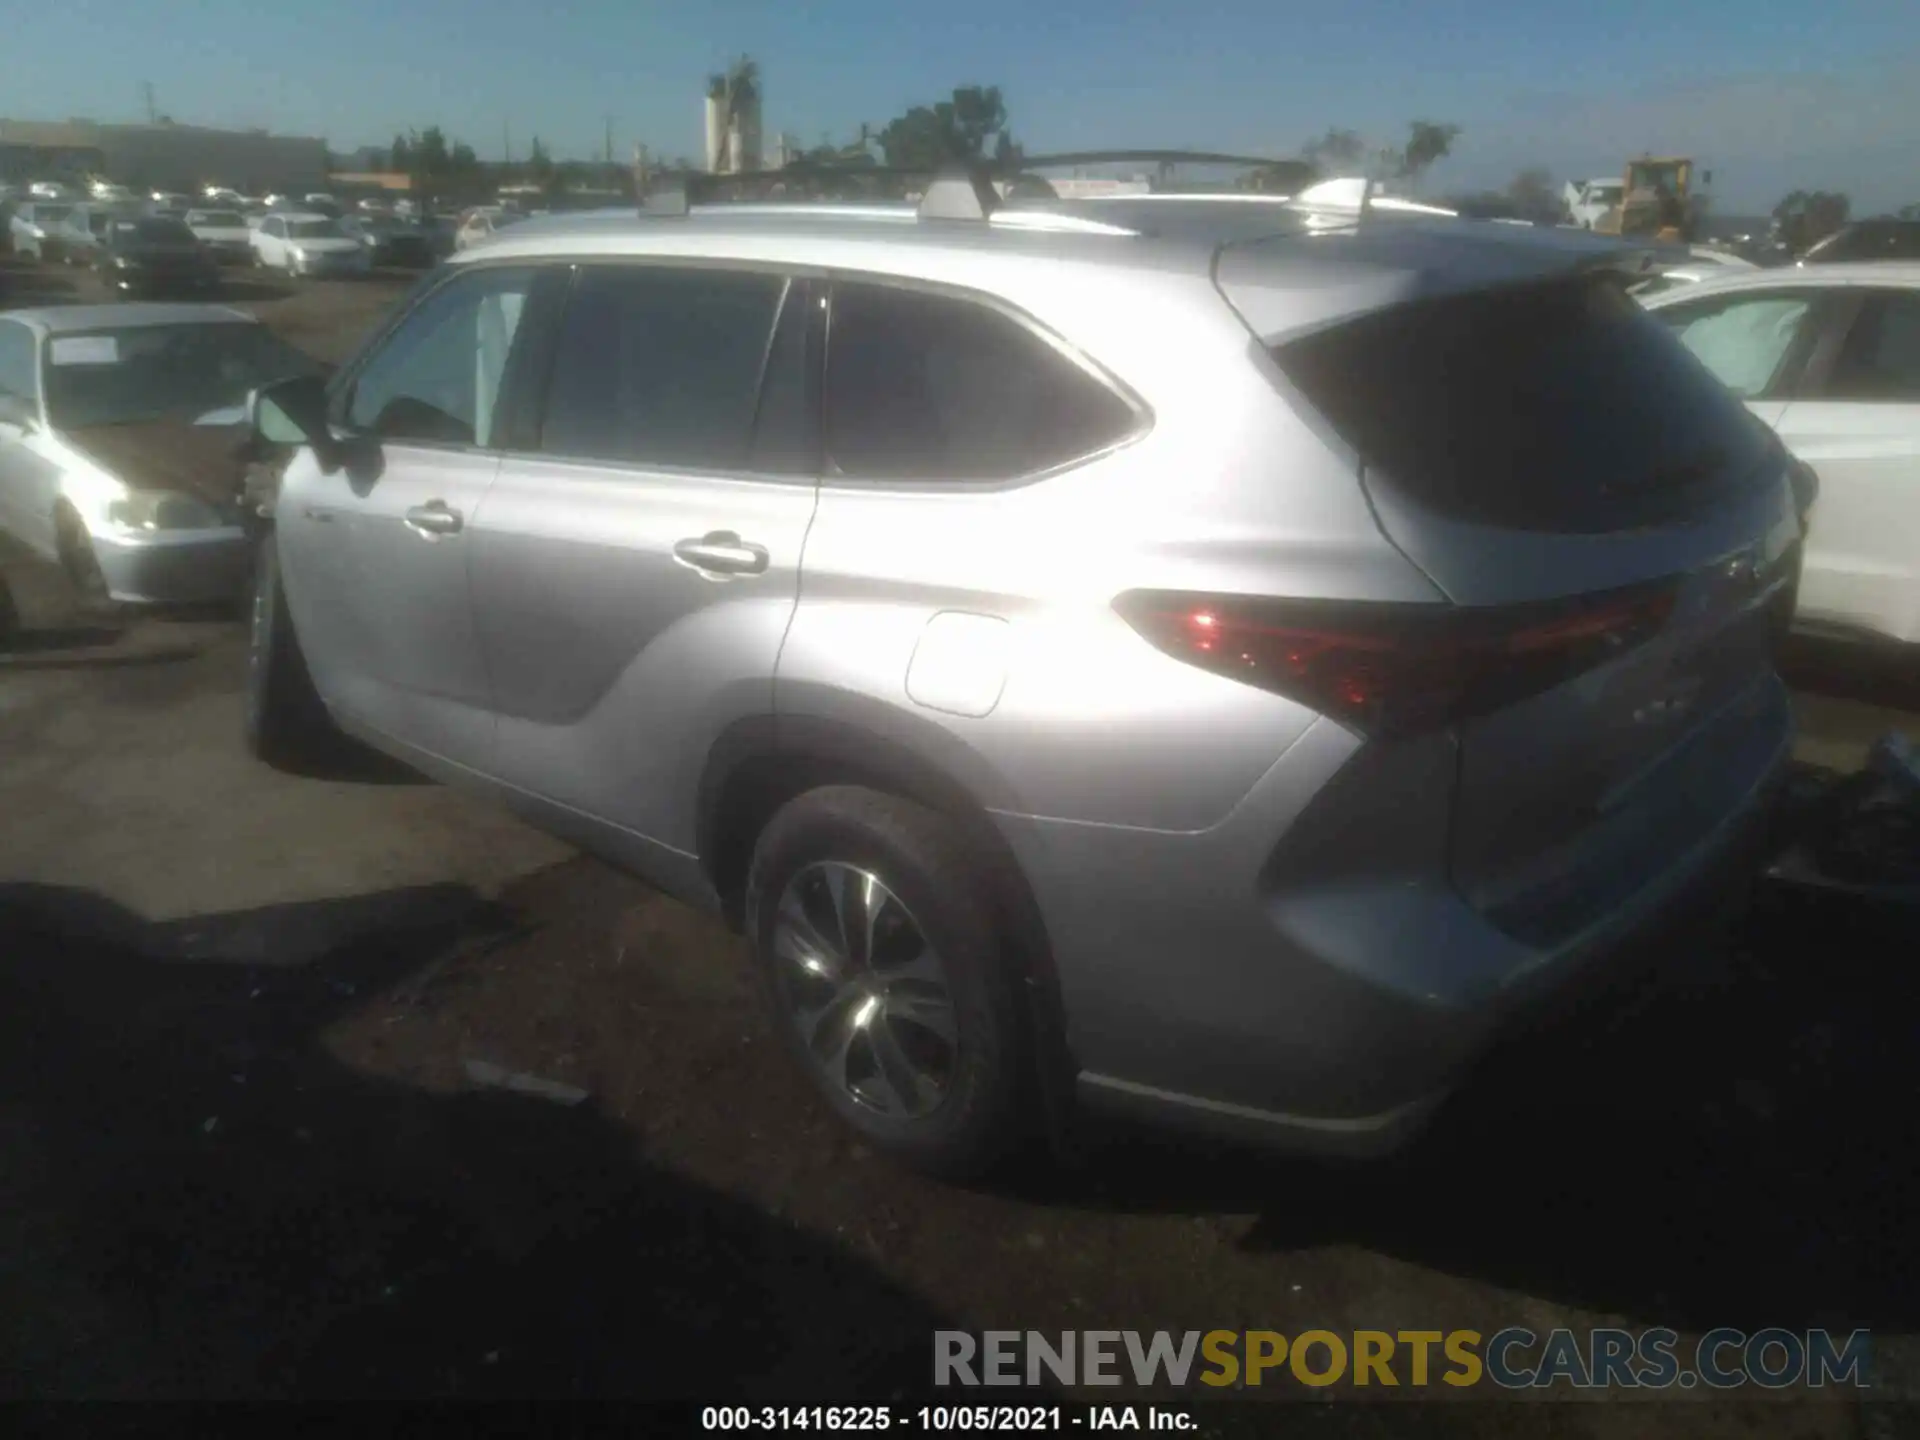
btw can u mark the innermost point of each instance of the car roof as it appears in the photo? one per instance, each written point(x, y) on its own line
point(68, 319)
point(1180, 233)
point(1901, 274)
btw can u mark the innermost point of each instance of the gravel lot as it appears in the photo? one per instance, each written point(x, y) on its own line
point(240, 1154)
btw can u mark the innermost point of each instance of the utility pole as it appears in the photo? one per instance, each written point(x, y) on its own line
point(153, 113)
point(607, 153)
point(506, 143)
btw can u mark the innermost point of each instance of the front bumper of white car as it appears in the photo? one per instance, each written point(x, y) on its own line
point(174, 567)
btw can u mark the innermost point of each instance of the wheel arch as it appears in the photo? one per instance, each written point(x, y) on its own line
point(760, 763)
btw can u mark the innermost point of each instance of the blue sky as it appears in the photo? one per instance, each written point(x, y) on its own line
point(1772, 94)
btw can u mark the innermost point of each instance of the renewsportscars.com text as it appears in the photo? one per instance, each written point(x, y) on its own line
point(1513, 1358)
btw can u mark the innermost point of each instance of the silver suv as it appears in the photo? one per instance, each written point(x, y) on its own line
point(1205, 658)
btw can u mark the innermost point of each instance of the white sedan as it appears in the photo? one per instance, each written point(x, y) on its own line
point(119, 428)
point(1829, 356)
point(305, 244)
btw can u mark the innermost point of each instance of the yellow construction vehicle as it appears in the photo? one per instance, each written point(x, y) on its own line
point(1659, 201)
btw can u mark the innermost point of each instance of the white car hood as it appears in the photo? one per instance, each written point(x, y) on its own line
point(221, 234)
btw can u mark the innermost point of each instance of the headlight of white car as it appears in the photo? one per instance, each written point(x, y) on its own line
point(147, 510)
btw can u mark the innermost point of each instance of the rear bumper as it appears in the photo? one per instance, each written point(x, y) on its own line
point(1332, 1017)
point(183, 567)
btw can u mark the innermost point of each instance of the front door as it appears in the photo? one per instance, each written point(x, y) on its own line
point(376, 556)
point(1860, 430)
point(636, 565)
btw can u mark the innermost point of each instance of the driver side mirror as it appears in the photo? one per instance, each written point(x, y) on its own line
point(294, 412)
point(17, 410)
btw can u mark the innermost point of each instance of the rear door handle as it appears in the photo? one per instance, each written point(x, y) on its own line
point(721, 552)
point(436, 517)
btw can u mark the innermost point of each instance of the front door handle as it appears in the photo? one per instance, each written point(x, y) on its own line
point(721, 552)
point(436, 517)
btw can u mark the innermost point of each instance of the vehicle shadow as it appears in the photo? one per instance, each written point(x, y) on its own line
point(1734, 1144)
point(251, 291)
point(1884, 675)
point(202, 1202)
point(25, 287)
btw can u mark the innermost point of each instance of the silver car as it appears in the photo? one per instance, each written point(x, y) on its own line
point(121, 436)
point(1207, 660)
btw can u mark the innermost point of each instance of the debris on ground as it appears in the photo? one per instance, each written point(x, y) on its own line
point(489, 1076)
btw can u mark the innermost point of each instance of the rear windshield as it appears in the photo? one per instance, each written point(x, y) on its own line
point(1548, 407)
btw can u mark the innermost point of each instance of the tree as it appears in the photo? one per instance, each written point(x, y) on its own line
point(970, 127)
point(1337, 151)
point(1427, 144)
point(1532, 196)
point(1805, 216)
point(400, 158)
point(1345, 152)
point(540, 167)
point(1910, 212)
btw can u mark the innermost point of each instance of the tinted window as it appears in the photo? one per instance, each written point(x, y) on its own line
point(1881, 357)
point(923, 387)
point(272, 226)
point(16, 360)
point(1744, 340)
point(1553, 407)
point(657, 366)
point(786, 430)
point(437, 377)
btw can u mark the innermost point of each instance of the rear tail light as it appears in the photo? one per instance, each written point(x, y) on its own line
point(1389, 669)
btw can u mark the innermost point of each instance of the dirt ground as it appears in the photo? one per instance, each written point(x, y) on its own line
point(242, 1154)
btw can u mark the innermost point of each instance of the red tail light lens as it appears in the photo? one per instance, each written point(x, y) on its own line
point(1389, 669)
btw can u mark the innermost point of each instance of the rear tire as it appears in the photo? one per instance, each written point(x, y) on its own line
point(912, 1035)
point(287, 722)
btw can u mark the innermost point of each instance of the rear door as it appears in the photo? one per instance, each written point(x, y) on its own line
point(1547, 451)
point(1856, 420)
point(636, 561)
point(28, 479)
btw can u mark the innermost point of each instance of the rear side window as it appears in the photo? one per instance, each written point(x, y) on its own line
point(932, 387)
point(660, 366)
point(1745, 340)
point(1881, 357)
point(1562, 406)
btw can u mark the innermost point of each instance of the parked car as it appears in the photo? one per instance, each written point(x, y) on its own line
point(224, 233)
point(171, 200)
point(154, 255)
point(221, 195)
point(482, 223)
point(1067, 696)
point(1702, 263)
point(391, 243)
point(105, 192)
point(322, 204)
point(38, 229)
point(118, 434)
point(80, 233)
point(1829, 356)
point(305, 244)
point(52, 190)
point(1884, 238)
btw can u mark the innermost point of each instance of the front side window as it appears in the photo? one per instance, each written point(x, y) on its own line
point(436, 378)
point(272, 226)
point(1744, 341)
point(661, 366)
point(1881, 358)
point(933, 387)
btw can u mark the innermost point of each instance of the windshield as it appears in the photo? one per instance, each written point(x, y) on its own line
point(217, 219)
point(148, 372)
point(98, 223)
point(314, 229)
point(153, 231)
point(51, 214)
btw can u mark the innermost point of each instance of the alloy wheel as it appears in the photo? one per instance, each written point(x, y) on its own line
point(865, 990)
